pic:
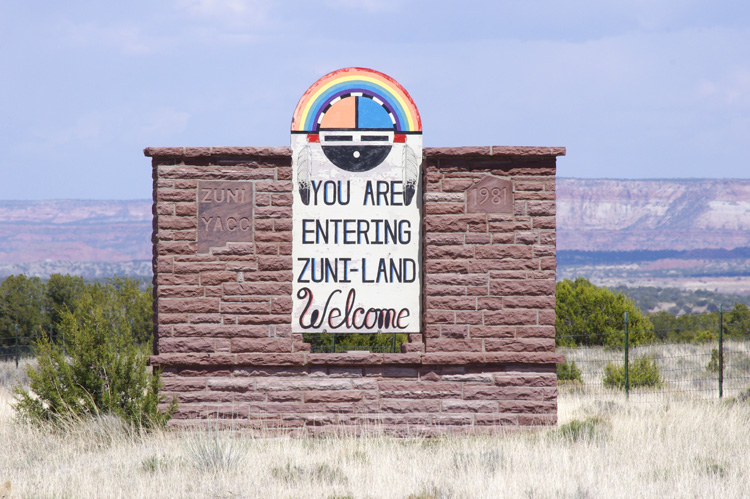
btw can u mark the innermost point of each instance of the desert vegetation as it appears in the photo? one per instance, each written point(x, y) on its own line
point(604, 446)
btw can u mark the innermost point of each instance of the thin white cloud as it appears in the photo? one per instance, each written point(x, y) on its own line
point(129, 40)
point(371, 6)
point(230, 12)
point(165, 122)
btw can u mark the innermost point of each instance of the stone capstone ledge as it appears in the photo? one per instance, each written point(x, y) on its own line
point(354, 359)
point(429, 152)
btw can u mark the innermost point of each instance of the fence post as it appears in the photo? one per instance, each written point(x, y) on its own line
point(627, 366)
point(333, 342)
point(16, 346)
point(721, 352)
point(393, 343)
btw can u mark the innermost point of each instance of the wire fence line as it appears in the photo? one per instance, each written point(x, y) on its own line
point(714, 364)
point(710, 366)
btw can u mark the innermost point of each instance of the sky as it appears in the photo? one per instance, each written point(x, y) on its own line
point(632, 89)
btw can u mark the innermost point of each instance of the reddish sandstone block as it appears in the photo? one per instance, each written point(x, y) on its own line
point(184, 345)
point(544, 223)
point(186, 209)
point(409, 406)
point(522, 288)
point(261, 345)
point(444, 209)
point(183, 384)
point(231, 384)
point(293, 396)
point(444, 290)
point(177, 223)
point(274, 263)
point(283, 276)
point(445, 266)
point(526, 379)
point(544, 251)
point(492, 331)
point(163, 209)
point(478, 238)
point(453, 358)
point(457, 279)
point(449, 252)
point(165, 248)
point(477, 290)
point(179, 291)
point(452, 345)
point(333, 396)
point(510, 317)
point(258, 288)
point(271, 359)
point(487, 419)
point(444, 223)
point(173, 318)
point(222, 331)
point(501, 252)
point(458, 331)
point(529, 302)
point(546, 317)
point(528, 406)
point(443, 239)
point(175, 195)
point(536, 196)
point(489, 303)
point(520, 345)
point(267, 248)
point(469, 317)
point(527, 238)
point(470, 406)
point(217, 278)
point(187, 305)
point(547, 238)
point(245, 308)
point(451, 302)
point(264, 319)
point(281, 305)
point(419, 389)
point(544, 208)
point(272, 236)
point(535, 331)
point(198, 267)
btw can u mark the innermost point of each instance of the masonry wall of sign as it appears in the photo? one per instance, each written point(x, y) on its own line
point(350, 231)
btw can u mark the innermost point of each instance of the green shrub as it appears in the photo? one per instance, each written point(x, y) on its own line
point(713, 364)
point(569, 371)
point(591, 428)
point(103, 370)
point(641, 372)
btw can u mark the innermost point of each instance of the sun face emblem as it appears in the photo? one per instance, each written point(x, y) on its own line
point(356, 133)
point(357, 117)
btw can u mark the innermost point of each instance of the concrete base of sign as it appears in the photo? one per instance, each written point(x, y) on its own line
point(484, 361)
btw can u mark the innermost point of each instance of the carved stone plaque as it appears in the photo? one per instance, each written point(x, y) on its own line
point(490, 195)
point(225, 213)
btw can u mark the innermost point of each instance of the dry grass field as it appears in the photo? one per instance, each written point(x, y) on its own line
point(605, 446)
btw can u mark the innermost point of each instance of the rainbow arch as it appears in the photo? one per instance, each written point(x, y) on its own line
point(343, 82)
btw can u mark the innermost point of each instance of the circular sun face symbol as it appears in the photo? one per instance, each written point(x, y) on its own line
point(356, 151)
point(356, 133)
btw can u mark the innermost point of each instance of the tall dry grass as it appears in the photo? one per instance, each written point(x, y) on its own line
point(604, 447)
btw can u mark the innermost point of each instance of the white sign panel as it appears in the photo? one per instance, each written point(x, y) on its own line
point(356, 160)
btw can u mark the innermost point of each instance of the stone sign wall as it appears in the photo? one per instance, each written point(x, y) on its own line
point(483, 358)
